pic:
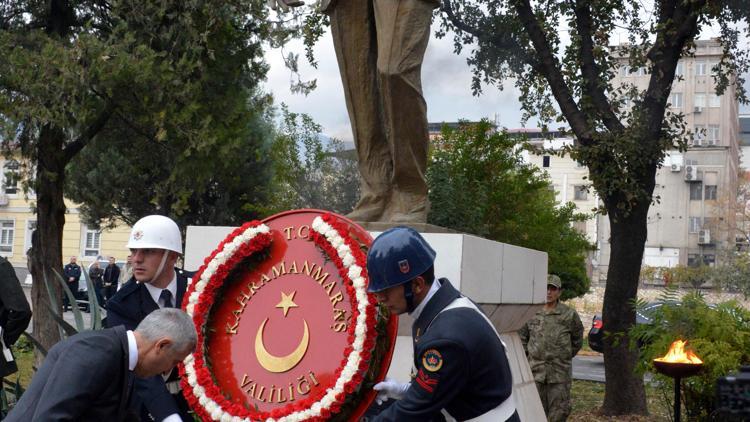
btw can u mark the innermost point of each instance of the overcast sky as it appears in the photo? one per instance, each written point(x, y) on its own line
point(446, 80)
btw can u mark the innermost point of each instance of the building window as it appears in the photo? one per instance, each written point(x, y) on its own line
point(699, 100)
point(696, 189)
point(545, 161)
point(91, 240)
point(679, 71)
point(710, 194)
point(30, 229)
point(709, 259)
point(7, 232)
point(712, 135)
point(10, 179)
point(714, 101)
point(580, 193)
point(691, 162)
point(699, 135)
point(624, 70)
point(676, 100)
point(694, 260)
point(701, 68)
point(694, 225)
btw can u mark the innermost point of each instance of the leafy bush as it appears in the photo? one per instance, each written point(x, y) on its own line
point(719, 335)
point(479, 184)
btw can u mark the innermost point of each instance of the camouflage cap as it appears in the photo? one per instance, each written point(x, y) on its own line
point(554, 280)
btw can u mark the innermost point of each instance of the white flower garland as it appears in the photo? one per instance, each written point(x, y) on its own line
point(360, 331)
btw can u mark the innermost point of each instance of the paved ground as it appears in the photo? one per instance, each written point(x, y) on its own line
point(589, 368)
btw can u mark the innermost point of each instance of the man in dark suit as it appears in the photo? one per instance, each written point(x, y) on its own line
point(89, 377)
point(155, 244)
point(111, 278)
point(15, 315)
point(72, 273)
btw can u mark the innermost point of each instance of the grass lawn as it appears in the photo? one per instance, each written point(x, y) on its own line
point(587, 398)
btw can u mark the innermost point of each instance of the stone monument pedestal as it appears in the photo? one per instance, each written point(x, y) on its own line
point(509, 282)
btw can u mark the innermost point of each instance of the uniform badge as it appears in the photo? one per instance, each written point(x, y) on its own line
point(432, 360)
point(137, 235)
point(403, 266)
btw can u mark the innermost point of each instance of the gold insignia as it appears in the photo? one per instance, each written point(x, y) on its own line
point(432, 360)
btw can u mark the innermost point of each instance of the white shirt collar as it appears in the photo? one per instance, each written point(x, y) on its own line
point(132, 351)
point(155, 292)
point(430, 293)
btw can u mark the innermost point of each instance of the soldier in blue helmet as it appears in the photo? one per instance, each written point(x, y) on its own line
point(461, 371)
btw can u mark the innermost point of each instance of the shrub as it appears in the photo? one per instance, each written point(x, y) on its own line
point(719, 335)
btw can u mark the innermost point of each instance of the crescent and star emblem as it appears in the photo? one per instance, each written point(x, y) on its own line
point(278, 364)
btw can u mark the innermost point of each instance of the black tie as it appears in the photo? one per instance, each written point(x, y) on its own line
point(166, 296)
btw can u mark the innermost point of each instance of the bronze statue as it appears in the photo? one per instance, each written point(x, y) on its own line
point(380, 45)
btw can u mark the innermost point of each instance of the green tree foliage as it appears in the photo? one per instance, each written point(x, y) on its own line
point(718, 335)
point(558, 54)
point(309, 173)
point(480, 185)
point(76, 72)
point(123, 178)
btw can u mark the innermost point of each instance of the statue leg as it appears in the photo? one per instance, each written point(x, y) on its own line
point(353, 31)
point(403, 30)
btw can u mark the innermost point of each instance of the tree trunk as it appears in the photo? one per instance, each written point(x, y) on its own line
point(46, 253)
point(624, 390)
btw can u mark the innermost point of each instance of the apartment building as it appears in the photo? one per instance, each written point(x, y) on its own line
point(18, 222)
point(692, 222)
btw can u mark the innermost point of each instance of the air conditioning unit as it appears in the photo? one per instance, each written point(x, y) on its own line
point(704, 237)
point(698, 110)
point(3, 200)
point(676, 168)
point(691, 174)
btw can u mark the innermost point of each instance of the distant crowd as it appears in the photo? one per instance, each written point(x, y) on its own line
point(106, 281)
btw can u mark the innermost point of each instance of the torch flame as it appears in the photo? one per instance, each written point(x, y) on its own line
point(678, 354)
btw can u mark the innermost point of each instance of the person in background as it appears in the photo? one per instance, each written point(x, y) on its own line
point(98, 387)
point(72, 274)
point(15, 315)
point(96, 273)
point(127, 271)
point(551, 339)
point(111, 278)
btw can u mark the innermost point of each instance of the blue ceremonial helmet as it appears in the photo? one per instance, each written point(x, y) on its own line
point(396, 257)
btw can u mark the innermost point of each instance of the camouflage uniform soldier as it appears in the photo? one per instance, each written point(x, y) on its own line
point(551, 338)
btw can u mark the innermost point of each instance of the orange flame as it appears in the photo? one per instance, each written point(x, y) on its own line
point(678, 354)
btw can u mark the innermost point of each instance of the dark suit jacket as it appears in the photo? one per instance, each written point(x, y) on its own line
point(83, 378)
point(15, 313)
point(112, 274)
point(128, 307)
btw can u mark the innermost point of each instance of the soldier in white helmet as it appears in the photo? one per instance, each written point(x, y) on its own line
point(155, 245)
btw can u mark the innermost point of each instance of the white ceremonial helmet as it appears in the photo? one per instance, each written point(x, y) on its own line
point(155, 232)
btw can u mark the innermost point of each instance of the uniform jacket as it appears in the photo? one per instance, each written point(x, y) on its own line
point(460, 364)
point(72, 270)
point(68, 388)
point(15, 312)
point(551, 339)
point(128, 307)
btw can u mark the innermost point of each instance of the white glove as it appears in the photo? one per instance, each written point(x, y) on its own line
point(284, 5)
point(390, 388)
